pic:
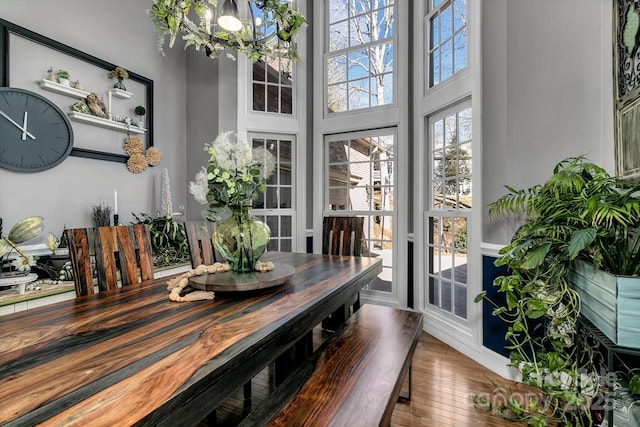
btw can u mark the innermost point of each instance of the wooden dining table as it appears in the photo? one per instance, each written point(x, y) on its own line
point(132, 357)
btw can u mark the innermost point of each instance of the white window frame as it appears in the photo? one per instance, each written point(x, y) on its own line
point(387, 116)
point(465, 337)
point(293, 125)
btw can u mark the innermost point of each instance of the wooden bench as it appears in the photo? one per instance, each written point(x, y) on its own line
point(354, 378)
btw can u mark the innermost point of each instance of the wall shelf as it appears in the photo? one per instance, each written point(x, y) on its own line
point(105, 123)
point(119, 93)
point(62, 89)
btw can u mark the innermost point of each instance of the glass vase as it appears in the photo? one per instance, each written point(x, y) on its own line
point(119, 85)
point(241, 239)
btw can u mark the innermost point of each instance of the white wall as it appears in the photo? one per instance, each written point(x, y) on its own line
point(120, 32)
point(547, 92)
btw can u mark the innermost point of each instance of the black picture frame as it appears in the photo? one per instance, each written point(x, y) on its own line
point(7, 28)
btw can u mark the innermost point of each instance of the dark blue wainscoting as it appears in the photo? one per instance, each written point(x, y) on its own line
point(494, 329)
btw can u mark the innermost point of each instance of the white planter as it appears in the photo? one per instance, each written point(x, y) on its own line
point(611, 303)
point(64, 82)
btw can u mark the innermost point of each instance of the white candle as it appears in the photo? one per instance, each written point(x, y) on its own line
point(115, 202)
point(109, 105)
point(207, 19)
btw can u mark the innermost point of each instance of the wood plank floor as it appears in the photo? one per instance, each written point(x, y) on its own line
point(444, 382)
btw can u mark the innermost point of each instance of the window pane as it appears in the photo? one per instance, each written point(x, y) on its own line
point(359, 94)
point(338, 36)
point(360, 30)
point(459, 14)
point(337, 10)
point(435, 32)
point(446, 65)
point(337, 66)
point(337, 98)
point(460, 51)
point(258, 97)
point(358, 65)
point(360, 25)
point(273, 98)
point(287, 100)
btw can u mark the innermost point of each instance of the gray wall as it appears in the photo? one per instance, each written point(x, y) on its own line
point(547, 92)
point(120, 32)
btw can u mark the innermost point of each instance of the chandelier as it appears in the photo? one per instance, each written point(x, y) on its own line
point(270, 29)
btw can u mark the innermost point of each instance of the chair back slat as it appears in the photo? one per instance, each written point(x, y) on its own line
point(124, 249)
point(201, 248)
point(342, 235)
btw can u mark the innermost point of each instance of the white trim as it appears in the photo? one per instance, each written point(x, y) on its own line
point(466, 336)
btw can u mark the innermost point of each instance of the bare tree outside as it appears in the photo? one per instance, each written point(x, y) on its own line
point(360, 61)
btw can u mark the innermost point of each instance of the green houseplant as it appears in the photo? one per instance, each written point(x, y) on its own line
point(580, 212)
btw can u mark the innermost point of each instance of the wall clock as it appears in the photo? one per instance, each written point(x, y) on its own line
point(35, 134)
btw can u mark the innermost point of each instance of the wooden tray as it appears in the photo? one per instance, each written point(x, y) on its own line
point(234, 282)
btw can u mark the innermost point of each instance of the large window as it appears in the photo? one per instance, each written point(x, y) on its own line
point(360, 182)
point(275, 206)
point(360, 57)
point(447, 44)
point(450, 208)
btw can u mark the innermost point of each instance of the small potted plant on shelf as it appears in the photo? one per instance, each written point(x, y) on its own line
point(120, 74)
point(140, 111)
point(63, 77)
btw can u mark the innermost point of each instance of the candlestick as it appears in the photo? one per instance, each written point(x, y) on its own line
point(115, 202)
point(116, 219)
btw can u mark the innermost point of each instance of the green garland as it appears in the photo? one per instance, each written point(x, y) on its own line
point(171, 18)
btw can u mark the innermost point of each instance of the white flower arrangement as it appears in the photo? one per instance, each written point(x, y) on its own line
point(235, 176)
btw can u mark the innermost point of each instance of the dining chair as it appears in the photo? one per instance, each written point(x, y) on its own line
point(342, 235)
point(200, 244)
point(124, 249)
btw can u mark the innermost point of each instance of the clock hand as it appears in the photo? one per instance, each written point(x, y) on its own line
point(24, 127)
point(2, 113)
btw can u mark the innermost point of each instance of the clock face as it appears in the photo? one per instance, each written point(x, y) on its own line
point(34, 133)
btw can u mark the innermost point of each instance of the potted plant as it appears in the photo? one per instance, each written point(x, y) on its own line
point(579, 213)
point(63, 77)
point(120, 74)
point(59, 251)
point(140, 111)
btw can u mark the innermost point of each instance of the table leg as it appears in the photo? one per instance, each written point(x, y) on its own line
point(292, 358)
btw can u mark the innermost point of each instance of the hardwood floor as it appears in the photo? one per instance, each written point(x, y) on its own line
point(444, 382)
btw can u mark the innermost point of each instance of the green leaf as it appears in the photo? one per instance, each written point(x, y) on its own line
point(580, 239)
point(480, 296)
